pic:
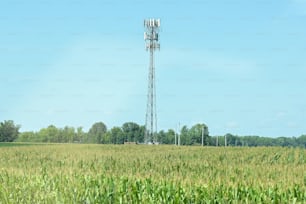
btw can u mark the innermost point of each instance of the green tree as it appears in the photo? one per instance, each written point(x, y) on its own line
point(161, 137)
point(80, 135)
point(301, 141)
point(132, 132)
point(68, 134)
point(117, 136)
point(107, 138)
point(141, 135)
point(184, 136)
point(170, 137)
point(49, 134)
point(96, 132)
point(230, 139)
point(8, 131)
point(28, 136)
point(195, 134)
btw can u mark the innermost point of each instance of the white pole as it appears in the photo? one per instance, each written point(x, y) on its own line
point(175, 136)
point(203, 136)
point(217, 141)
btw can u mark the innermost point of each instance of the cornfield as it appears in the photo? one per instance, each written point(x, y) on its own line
point(78, 173)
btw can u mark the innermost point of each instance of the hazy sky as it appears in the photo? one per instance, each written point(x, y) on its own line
point(239, 66)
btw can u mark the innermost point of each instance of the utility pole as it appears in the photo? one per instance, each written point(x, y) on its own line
point(217, 141)
point(175, 136)
point(203, 135)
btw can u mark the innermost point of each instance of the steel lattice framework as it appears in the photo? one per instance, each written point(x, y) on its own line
point(151, 39)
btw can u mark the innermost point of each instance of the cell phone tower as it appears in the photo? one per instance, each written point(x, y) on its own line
point(151, 38)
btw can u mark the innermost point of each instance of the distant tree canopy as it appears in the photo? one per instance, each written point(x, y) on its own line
point(52, 134)
point(133, 132)
point(254, 141)
point(97, 133)
point(8, 131)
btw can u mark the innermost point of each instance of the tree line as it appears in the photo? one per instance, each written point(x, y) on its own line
point(133, 132)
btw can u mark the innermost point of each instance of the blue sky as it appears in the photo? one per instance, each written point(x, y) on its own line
point(238, 66)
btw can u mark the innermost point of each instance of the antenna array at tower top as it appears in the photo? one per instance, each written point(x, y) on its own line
point(152, 22)
point(151, 34)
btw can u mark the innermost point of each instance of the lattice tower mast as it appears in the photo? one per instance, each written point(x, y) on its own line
point(151, 38)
